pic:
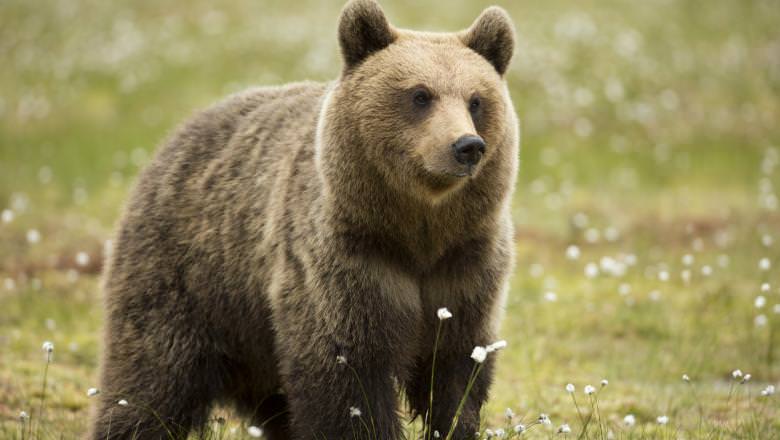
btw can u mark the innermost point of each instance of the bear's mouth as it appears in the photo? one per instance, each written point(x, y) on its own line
point(464, 171)
point(459, 174)
point(451, 174)
point(445, 180)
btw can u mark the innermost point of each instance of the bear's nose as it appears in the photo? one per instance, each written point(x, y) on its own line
point(469, 149)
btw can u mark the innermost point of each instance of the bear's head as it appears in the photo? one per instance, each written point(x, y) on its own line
point(425, 111)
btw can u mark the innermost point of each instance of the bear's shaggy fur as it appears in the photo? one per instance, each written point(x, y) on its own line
point(288, 227)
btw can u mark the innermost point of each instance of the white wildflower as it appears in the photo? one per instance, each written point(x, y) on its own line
point(612, 266)
point(569, 388)
point(479, 354)
point(592, 235)
point(687, 259)
point(611, 233)
point(498, 345)
point(33, 236)
point(82, 259)
point(544, 419)
point(706, 270)
point(341, 359)
point(436, 434)
point(93, 392)
point(736, 374)
point(662, 420)
point(591, 270)
point(443, 314)
point(122, 402)
point(509, 414)
point(564, 429)
point(550, 296)
point(580, 220)
point(7, 216)
point(23, 416)
point(761, 320)
point(500, 433)
point(355, 411)
point(686, 378)
point(573, 252)
point(48, 347)
point(765, 287)
point(629, 420)
point(776, 309)
point(764, 264)
point(768, 391)
point(760, 301)
point(519, 428)
point(746, 378)
point(254, 432)
point(604, 382)
point(589, 389)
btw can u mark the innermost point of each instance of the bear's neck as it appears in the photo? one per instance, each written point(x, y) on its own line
point(376, 217)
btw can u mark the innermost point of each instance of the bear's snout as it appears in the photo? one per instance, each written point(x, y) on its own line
point(468, 150)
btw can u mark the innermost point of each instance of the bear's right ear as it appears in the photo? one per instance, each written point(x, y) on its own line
point(363, 30)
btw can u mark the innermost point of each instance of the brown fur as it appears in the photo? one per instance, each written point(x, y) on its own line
point(287, 226)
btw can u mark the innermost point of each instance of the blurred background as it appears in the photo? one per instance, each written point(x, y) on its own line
point(648, 230)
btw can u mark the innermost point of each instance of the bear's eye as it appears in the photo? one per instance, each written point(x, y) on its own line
point(474, 104)
point(421, 98)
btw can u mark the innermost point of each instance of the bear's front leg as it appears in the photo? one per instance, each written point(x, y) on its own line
point(471, 283)
point(343, 335)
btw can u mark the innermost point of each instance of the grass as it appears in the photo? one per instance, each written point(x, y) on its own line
point(649, 133)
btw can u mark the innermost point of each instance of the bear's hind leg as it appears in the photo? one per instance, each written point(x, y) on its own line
point(154, 411)
point(166, 386)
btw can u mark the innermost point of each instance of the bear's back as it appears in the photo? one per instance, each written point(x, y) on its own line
point(213, 188)
point(242, 137)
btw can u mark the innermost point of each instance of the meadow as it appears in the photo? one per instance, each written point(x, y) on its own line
point(647, 213)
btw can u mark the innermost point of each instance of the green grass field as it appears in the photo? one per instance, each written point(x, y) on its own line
point(650, 142)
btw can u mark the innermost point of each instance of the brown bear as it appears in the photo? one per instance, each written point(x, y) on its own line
point(287, 249)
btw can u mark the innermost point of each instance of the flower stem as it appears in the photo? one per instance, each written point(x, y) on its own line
point(474, 373)
point(43, 398)
point(365, 399)
point(428, 425)
point(582, 419)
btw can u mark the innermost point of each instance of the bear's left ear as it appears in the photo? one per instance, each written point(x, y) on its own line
point(363, 30)
point(492, 35)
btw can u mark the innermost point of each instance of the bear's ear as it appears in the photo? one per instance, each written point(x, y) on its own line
point(363, 30)
point(492, 35)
